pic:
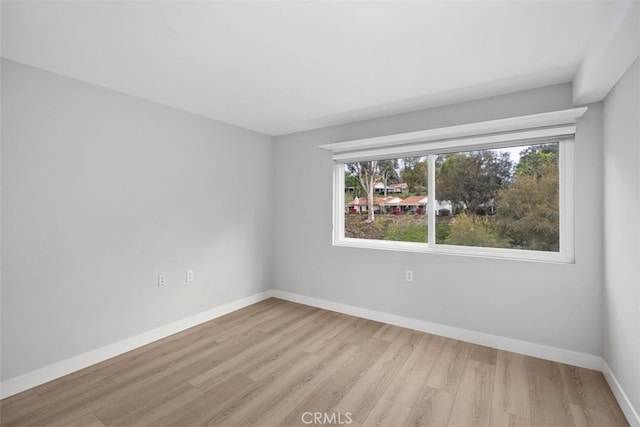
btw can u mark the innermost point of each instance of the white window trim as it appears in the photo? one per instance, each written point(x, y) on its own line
point(534, 129)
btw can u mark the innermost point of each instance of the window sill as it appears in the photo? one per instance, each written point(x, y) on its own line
point(476, 252)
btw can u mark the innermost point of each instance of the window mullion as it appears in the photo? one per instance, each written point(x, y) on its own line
point(338, 200)
point(566, 198)
point(431, 201)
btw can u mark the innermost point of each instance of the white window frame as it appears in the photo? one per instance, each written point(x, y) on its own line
point(557, 126)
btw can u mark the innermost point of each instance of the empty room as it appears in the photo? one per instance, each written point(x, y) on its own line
point(305, 213)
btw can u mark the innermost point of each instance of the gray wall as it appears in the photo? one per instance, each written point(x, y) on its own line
point(100, 193)
point(622, 233)
point(553, 304)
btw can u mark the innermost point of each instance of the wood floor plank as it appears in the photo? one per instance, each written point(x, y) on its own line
point(152, 414)
point(448, 368)
point(171, 376)
point(19, 405)
point(411, 378)
point(280, 403)
point(200, 409)
point(268, 364)
point(358, 332)
point(472, 403)
point(511, 385)
point(191, 365)
point(581, 387)
point(500, 418)
point(387, 413)
point(483, 354)
point(263, 366)
point(589, 417)
point(361, 331)
point(371, 386)
point(271, 349)
point(171, 342)
point(327, 395)
point(88, 420)
point(72, 383)
point(388, 332)
point(254, 391)
point(548, 397)
point(70, 389)
point(331, 332)
point(66, 411)
point(131, 370)
point(589, 389)
point(276, 315)
point(291, 380)
point(154, 402)
point(432, 408)
point(137, 370)
point(260, 361)
point(250, 312)
point(285, 323)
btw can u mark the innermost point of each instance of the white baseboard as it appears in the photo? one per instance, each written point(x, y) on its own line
point(624, 402)
point(555, 354)
point(40, 376)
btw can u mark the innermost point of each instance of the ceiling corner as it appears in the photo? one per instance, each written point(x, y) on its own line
point(607, 61)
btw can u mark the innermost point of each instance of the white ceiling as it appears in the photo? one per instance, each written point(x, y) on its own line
point(282, 67)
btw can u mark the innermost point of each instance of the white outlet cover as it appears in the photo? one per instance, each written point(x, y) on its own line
point(190, 276)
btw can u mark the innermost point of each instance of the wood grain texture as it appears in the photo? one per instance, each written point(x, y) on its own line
point(588, 389)
point(472, 404)
point(548, 395)
point(272, 362)
point(432, 408)
point(511, 386)
point(446, 373)
point(387, 413)
point(504, 419)
point(409, 381)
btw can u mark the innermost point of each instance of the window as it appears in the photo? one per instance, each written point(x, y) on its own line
point(496, 189)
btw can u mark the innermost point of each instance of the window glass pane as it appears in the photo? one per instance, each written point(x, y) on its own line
point(386, 200)
point(501, 198)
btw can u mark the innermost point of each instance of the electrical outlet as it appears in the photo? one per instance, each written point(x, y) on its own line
point(162, 280)
point(408, 276)
point(189, 275)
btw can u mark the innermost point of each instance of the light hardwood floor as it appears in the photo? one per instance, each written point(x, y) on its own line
point(272, 362)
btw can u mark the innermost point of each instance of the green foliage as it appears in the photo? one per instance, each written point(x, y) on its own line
point(528, 211)
point(409, 228)
point(472, 178)
point(468, 230)
point(406, 233)
point(382, 222)
point(367, 173)
point(443, 231)
point(534, 159)
point(415, 174)
point(352, 181)
point(527, 208)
